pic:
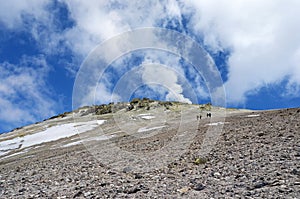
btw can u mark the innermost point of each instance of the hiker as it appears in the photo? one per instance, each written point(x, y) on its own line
point(200, 117)
point(197, 117)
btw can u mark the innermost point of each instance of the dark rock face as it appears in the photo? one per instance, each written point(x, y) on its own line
point(135, 103)
point(255, 157)
point(104, 109)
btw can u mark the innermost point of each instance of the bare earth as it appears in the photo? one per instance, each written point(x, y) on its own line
point(257, 155)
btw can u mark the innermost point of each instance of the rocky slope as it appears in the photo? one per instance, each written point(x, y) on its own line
point(256, 155)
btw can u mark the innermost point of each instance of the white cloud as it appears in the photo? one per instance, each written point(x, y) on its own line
point(24, 95)
point(262, 36)
point(11, 11)
point(166, 77)
point(99, 94)
point(97, 21)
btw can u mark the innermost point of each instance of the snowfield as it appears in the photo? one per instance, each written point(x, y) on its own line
point(50, 134)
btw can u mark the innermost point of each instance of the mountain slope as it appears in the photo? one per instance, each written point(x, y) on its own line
point(255, 155)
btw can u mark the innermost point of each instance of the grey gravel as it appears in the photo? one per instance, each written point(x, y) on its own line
point(255, 157)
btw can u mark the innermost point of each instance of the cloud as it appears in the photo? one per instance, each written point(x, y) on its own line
point(43, 20)
point(161, 75)
point(24, 95)
point(12, 12)
point(261, 36)
point(99, 94)
point(97, 21)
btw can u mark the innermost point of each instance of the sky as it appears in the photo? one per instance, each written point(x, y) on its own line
point(45, 47)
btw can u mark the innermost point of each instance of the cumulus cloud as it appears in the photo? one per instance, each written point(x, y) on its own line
point(262, 37)
point(99, 94)
point(24, 95)
point(97, 21)
point(12, 12)
point(157, 74)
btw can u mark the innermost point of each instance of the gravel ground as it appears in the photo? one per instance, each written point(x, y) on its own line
point(254, 157)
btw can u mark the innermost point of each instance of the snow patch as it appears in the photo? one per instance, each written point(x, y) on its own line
point(146, 116)
point(149, 117)
point(216, 123)
point(50, 134)
point(10, 144)
point(99, 122)
point(58, 132)
point(144, 129)
point(18, 153)
point(73, 143)
point(257, 115)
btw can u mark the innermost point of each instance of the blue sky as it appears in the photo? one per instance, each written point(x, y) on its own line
point(254, 44)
